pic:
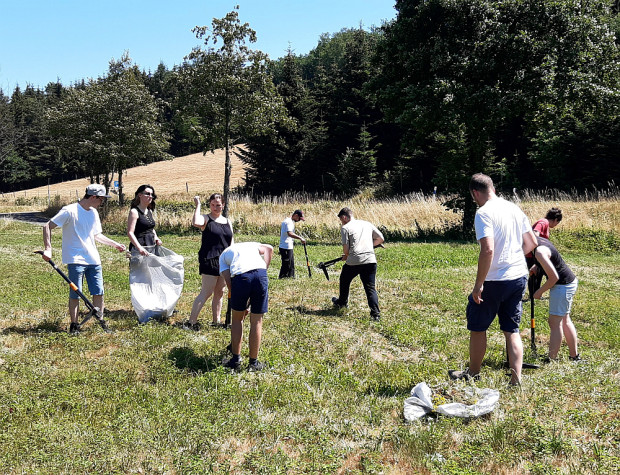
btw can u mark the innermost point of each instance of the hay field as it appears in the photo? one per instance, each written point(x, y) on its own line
point(201, 173)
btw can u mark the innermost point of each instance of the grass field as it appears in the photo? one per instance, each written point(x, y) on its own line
point(153, 399)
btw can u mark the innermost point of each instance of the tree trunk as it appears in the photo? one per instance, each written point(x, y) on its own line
point(121, 196)
point(227, 165)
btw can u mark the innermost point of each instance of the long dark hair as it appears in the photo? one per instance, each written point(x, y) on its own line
point(136, 200)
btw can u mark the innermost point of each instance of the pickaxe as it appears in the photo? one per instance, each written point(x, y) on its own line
point(324, 265)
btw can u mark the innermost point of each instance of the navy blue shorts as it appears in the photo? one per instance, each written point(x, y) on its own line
point(501, 298)
point(250, 288)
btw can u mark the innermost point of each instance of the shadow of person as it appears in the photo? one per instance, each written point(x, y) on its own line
point(321, 312)
point(185, 358)
point(46, 326)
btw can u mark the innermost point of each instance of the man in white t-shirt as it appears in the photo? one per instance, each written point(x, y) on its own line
point(359, 239)
point(81, 229)
point(287, 234)
point(244, 268)
point(505, 236)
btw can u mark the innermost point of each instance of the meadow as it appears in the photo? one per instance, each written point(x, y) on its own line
point(154, 399)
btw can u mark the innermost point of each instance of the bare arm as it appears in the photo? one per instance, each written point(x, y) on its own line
point(198, 220)
point(484, 264)
point(345, 252)
point(47, 240)
point(543, 256)
point(109, 242)
point(529, 242)
point(267, 252)
point(226, 275)
point(296, 236)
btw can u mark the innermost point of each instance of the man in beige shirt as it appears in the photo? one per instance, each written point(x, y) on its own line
point(359, 238)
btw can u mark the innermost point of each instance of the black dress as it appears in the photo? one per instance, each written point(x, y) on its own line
point(215, 238)
point(144, 229)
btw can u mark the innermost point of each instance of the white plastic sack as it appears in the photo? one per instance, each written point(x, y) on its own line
point(420, 403)
point(156, 282)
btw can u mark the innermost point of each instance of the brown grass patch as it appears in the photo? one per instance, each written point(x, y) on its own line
point(197, 173)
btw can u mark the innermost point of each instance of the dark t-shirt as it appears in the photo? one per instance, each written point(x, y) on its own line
point(566, 275)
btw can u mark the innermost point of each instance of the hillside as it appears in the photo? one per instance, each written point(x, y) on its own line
point(200, 173)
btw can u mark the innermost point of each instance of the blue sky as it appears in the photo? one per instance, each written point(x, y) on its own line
point(45, 40)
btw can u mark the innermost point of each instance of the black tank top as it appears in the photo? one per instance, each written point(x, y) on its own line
point(215, 238)
point(566, 275)
point(144, 228)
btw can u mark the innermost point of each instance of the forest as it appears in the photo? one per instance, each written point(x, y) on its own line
point(527, 91)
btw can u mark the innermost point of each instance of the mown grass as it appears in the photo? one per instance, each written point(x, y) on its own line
point(154, 399)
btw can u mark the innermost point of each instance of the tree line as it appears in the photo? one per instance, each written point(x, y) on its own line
point(527, 91)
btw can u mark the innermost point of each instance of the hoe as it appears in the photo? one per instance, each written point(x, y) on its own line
point(324, 265)
point(93, 311)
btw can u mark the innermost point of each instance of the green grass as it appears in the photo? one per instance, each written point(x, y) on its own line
point(154, 399)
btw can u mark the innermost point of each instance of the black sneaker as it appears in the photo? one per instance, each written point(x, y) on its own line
point(74, 329)
point(256, 366)
point(464, 374)
point(232, 364)
point(337, 303)
point(577, 359)
point(186, 325)
point(105, 326)
point(376, 318)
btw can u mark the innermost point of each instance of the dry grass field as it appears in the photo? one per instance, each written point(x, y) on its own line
point(197, 173)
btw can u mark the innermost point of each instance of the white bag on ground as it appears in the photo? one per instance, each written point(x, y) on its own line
point(156, 282)
point(420, 403)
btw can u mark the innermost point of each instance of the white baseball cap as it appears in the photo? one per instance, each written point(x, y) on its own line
point(96, 190)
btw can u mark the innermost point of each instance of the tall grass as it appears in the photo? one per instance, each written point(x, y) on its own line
point(592, 218)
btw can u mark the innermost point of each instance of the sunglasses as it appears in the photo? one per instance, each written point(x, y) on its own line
point(147, 193)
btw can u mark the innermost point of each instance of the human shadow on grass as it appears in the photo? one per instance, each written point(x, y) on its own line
point(322, 312)
point(185, 358)
point(46, 326)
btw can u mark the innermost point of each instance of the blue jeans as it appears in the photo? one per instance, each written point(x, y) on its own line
point(94, 278)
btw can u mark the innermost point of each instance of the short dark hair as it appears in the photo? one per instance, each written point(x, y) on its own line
point(480, 182)
point(554, 213)
point(216, 196)
point(345, 212)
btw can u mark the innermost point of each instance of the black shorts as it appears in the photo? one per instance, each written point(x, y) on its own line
point(209, 266)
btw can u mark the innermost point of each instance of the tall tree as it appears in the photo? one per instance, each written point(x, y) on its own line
point(110, 125)
point(231, 95)
point(457, 73)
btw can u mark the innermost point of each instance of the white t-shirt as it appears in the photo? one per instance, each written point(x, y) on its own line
point(506, 224)
point(288, 225)
point(242, 257)
point(359, 235)
point(79, 228)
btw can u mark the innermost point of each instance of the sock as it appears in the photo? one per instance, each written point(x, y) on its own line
point(253, 360)
point(235, 358)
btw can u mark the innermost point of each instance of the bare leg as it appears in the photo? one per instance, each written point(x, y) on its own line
point(477, 350)
point(74, 305)
point(570, 333)
point(256, 332)
point(555, 335)
point(98, 302)
point(208, 285)
point(236, 331)
point(216, 302)
point(514, 345)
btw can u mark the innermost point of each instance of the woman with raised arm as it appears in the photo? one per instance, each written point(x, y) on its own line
point(217, 235)
point(141, 223)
